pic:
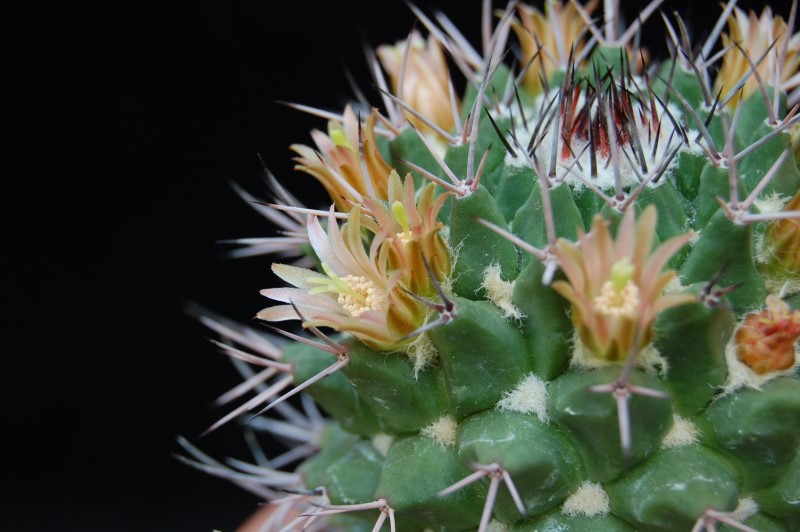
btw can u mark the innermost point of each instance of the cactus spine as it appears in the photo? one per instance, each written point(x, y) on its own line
point(567, 299)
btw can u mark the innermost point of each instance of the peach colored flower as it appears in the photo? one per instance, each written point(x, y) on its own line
point(616, 285)
point(338, 165)
point(367, 292)
point(409, 233)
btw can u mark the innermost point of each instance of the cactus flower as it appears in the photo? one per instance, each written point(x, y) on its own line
point(356, 294)
point(410, 234)
point(558, 31)
point(756, 35)
point(420, 77)
point(337, 164)
point(782, 240)
point(551, 376)
point(616, 286)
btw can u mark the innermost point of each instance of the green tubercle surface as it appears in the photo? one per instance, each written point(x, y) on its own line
point(591, 422)
point(541, 461)
point(673, 489)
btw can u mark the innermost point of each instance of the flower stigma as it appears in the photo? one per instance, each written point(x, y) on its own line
point(619, 297)
point(401, 216)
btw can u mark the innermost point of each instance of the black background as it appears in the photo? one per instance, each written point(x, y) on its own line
point(127, 123)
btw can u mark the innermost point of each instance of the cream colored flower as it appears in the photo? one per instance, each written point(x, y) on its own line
point(616, 286)
point(755, 36)
point(409, 233)
point(337, 163)
point(356, 293)
point(426, 78)
point(367, 292)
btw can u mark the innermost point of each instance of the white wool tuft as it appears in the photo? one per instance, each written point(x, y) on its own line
point(683, 432)
point(422, 353)
point(496, 526)
point(745, 509)
point(771, 203)
point(589, 500)
point(442, 431)
point(649, 359)
point(500, 292)
point(529, 397)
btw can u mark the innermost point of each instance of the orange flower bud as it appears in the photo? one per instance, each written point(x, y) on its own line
point(766, 340)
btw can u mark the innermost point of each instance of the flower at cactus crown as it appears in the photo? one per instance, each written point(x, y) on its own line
point(356, 294)
point(409, 234)
point(765, 341)
point(755, 36)
point(337, 163)
point(782, 241)
point(425, 79)
point(616, 286)
point(560, 29)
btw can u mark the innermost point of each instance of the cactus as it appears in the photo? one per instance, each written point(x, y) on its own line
point(566, 299)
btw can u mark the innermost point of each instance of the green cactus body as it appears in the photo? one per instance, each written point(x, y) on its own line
point(602, 332)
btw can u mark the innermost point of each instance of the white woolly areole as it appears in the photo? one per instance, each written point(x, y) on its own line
point(683, 432)
point(772, 203)
point(382, 442)
point(589, 500)
point(745, 509)
point(496, 526)
point(529, 397)
point(674, 286)
point(515, 162)
point(442, 431)
point(741, 376)
point(422, 353)
point(499, 292)
point(648, 358)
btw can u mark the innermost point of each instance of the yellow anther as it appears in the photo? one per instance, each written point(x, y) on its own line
point(362, 296)
point(618, 303)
